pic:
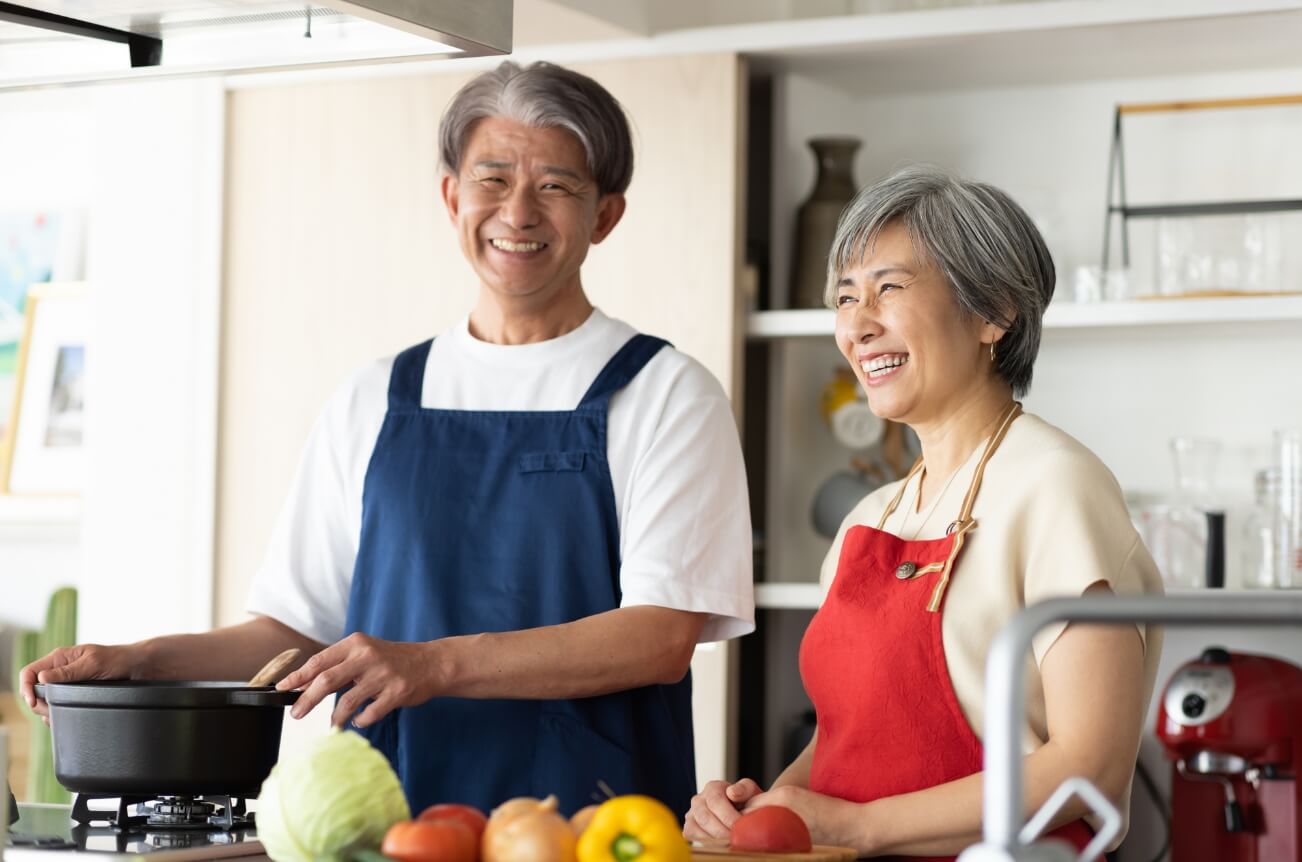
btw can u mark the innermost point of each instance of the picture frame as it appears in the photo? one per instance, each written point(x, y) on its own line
point(42, 452)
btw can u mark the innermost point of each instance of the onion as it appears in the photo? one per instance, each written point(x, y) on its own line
point(582, 818)
point(528, 830)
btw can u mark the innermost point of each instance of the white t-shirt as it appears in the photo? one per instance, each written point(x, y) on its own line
point(1051, 521)
point(675, 464)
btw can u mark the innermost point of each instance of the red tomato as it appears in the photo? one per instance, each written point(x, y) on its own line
point(430, 841)
point(467, 815)
point(771, 829)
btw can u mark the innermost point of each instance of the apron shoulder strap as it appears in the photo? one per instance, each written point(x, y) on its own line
point(622, 368)
point(408, 377)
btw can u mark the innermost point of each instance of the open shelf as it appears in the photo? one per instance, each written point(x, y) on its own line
point(21, 511)
point(819, 323)
point(1010, 43)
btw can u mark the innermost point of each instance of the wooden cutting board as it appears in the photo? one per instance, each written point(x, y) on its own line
point(819, 853)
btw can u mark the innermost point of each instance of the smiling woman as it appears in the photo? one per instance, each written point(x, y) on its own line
point(939, 287)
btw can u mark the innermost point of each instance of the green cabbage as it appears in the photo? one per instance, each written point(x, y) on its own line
point(340, 795)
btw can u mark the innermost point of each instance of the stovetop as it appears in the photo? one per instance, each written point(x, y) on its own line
point(170, 828)
point(170, 813)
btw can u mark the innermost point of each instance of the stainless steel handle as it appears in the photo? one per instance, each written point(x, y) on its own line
point(1107, 813)
point(1005, 683)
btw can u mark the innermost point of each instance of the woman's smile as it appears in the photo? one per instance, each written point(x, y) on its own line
point(880, 368)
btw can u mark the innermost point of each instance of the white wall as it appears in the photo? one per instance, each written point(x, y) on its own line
point(143, 163)
point(46, 165)
point(154, 266)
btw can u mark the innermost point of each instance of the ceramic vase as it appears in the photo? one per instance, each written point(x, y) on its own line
point(817, 217)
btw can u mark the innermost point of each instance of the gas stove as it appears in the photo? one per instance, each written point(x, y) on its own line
point(163, 828)
point(166, 813)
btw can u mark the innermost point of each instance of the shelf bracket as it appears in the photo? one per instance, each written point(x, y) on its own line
point(1117, 205)
point(143, 50)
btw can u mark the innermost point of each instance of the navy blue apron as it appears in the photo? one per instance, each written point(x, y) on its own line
point(493, 521)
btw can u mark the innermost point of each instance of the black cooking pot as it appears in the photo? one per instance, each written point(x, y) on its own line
point(164, 738)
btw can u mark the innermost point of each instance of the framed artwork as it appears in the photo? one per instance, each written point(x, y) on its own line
point(43, 451)
point(35, 246)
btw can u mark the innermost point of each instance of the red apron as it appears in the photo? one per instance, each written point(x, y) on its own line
point(873, 662)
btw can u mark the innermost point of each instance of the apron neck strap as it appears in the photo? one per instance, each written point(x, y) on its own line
point(407, 379)
point(1005, 420)
point(965, 513)
point(622, 368)
point(899, 495)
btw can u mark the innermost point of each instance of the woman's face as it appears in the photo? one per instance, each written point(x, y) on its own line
point(912, 348)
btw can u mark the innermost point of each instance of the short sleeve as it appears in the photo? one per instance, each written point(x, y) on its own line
point(1077, 532)
point(306, 574)
point(686, 540)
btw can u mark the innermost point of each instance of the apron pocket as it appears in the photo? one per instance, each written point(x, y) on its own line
point(551, 462)
point(573, 759)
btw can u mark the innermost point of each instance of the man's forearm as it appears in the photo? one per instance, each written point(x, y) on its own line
point(231, 653)
point(620, 649)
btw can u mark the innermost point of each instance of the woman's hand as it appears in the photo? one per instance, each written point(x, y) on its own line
point(830, 820)
point(714, 809)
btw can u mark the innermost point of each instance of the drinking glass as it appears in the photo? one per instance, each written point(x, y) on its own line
point(1288, 536)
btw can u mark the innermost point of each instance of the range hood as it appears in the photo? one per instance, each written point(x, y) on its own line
point(44, 42)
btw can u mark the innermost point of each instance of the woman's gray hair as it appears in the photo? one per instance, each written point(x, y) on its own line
point(544, 96)
point(984, 244)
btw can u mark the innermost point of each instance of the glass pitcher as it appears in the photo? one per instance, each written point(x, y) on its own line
point(1288, 509)
point(1182, 550)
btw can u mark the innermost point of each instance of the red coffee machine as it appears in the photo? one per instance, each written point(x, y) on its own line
point(1232, 724)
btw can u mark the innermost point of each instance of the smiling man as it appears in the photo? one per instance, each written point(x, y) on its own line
point(513, 535)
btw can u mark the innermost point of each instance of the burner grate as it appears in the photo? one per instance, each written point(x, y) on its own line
point(225, 813)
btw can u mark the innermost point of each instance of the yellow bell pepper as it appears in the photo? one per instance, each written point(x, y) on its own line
point(633, 829)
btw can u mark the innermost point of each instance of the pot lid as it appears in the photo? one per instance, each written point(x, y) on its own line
point(161, 695)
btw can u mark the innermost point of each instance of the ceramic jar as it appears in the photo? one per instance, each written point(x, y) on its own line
point(817, 217)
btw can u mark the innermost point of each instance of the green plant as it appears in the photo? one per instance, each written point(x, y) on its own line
point(60, 630)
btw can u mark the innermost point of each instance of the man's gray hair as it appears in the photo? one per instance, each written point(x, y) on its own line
point(544, 96)
point(984, 244)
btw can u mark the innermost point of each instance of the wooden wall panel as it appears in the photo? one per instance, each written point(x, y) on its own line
point(338, 251)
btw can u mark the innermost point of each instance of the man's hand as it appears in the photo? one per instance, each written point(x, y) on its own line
point(387, 673)
point(74, 664)
point(714, 809)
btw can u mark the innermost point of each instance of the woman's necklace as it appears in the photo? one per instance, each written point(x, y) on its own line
point(931, 507)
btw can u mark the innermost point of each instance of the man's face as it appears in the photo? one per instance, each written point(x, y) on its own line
point(526, 209)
